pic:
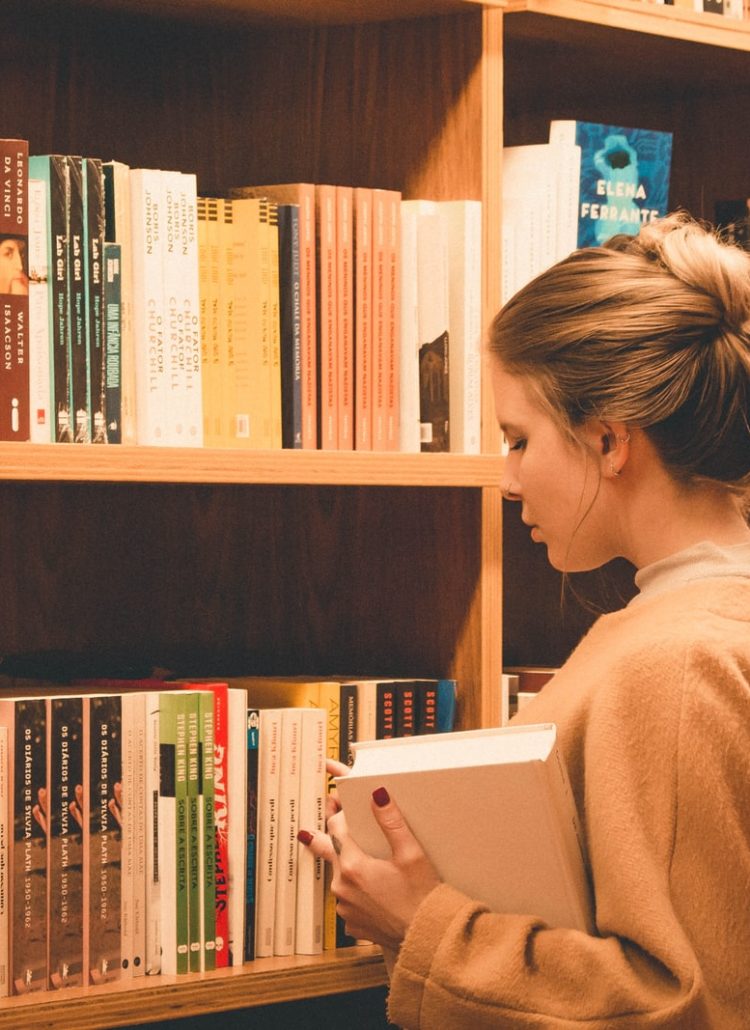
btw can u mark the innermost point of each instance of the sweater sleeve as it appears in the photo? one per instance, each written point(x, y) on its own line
point(462, 966)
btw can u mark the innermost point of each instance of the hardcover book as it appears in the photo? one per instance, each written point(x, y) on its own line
point(624, 177)
point(14, 290)
point(511, 782)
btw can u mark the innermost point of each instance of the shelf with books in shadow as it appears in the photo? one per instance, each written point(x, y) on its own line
point(149, 832)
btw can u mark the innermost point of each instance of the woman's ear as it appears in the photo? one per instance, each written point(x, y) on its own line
point(610, 441)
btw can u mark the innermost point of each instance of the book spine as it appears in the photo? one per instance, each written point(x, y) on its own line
point(312, 796)
point(290, 325)
point(237, 838)
point(363, 337)
point(29, 862)
point(118, 230)
point(172, 851)
point(195, 851)
point(208, 271)
point(386, 711)
point(272, 233)
point(65, 841)
point(251, 850)
point(380, 317)
point(286, 876)
point(40, 418)
point(427, 706)
point(409, 329)
point(80, 400)
point(207, 830)
point(308, 299)
point(391, 369)
point(325, 202)
point(14, 290)
point(113, 337)
point(141, 841)
point(221, 801)
point(181, 855)
point(152, 393)
point(265, 304)
point(4, 866)
point(103, 849)
point(93, 267)
point(446, 705)
point(269, 755)
point(348, 723)
point(154, 844)
point(406, 709)
point(434, 339)
point(129, 830)
point(345, 315)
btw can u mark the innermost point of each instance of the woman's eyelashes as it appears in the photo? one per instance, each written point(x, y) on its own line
point(517, 444)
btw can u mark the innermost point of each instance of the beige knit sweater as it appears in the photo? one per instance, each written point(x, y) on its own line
point(653, 715)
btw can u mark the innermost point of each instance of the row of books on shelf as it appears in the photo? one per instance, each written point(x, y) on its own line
point(297, 315)
point(151, 826)
point(736, 9)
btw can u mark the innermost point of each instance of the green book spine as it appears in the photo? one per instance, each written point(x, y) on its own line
point(193, 832)
point(206, 813)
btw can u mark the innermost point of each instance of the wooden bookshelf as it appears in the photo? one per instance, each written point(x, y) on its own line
point(318, 560)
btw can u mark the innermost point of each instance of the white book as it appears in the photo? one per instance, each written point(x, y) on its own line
point(151, 822)
point(509, 797)
point(286, 867)
point(530, 210)
point(182, 350)
point(409, 330)
point(139, 714)
point(149, 342)
point(462, 221)
point(268, 829)
point(4, 880)
point(129, 828)
point(435, 357)
point(312, 800)
point(237, 829)
point(39, 321)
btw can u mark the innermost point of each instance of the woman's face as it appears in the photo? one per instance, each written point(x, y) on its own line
point(556, 480)
point(12, 276)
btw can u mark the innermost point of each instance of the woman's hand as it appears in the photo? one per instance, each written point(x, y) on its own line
point(376, 898)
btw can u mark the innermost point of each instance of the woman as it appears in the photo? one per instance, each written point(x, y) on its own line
point(13, 277)
point(622, 385)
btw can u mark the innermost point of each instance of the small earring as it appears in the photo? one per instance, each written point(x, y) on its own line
point(624, 439)
point(613, 470)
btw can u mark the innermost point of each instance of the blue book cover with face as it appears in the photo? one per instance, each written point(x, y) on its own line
point(624, 180)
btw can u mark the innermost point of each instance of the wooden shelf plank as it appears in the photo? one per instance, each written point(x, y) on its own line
point(637, 16)
point(147, 999)
point(59, 462)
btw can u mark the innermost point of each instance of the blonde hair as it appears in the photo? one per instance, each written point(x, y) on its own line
point(652, 330)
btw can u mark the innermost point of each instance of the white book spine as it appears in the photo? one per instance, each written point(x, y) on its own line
point(312, 799)
point(140, 843)
point(286, 869)
point(153, 842)
point(151, 367)
point(462, 220)
point(39, 323)
point(409, 329)
point(237, 832)
point(268, 829)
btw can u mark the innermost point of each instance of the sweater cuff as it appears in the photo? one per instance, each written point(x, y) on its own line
point(415, 956)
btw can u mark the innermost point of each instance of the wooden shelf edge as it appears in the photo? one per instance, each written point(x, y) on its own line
point(66, 462)
point(148, 999)
point(637, 16)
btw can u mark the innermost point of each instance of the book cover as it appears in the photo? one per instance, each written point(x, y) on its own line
point(528, 858)
point(40, 416)
point(345, 315)
point(64, 808)
point(102, 724)
point(14, 290)
point(118, 221)
point(92, 179)
point(462, 221)
point(308, 939)
point(251, 849)
point(363, 339)
point(237, 827)
point(80, 399)
point(25, 719)
point(147, 226)
point(269, 756)
point(303, 195)
point(288, 825)
point(52, 170)
point(113, 338)
point(328, 348)
point(624, 177)
point(173, 832)
point(290, 325)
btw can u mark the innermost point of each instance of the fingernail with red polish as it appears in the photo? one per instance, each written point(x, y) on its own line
point(381, 797)
point(304, 837)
